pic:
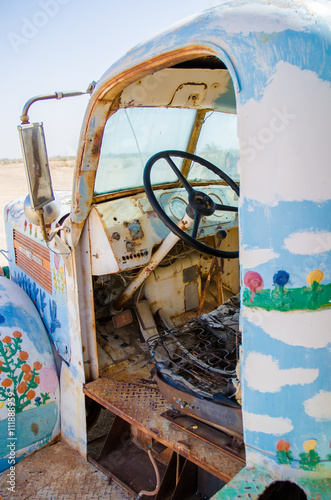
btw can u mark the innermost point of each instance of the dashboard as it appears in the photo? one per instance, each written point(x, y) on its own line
point(123, 232)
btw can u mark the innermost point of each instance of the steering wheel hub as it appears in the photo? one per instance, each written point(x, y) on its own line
point(201, 202)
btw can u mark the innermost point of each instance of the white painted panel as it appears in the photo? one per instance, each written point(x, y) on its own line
point(102, 257)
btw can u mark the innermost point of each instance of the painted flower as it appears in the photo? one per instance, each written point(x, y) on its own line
point(26, 368)
point(316, 275)
point(283, 445)
point(37, 380)
point(2, 404)
point(37, 365)
point(309, 460)
point(30, 394)
point(281, 278)
point(7, 382)
point(27, 377)
point(254, 282)
point(23, 355)
point(309, 445)
point(48, 379)
point(17, 334)
point(22, 387)
point(284, 455)
point(6, 340)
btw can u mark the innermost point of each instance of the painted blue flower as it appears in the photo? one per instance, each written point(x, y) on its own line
point(281, 278)
point(37, 401)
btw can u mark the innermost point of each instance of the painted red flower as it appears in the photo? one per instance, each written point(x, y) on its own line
point(22, 387)
point(23, 355)
point(37, 365)
point(26, 368)
point(30, 394)
point(27, 377)
point(17, 334)
point(7, 382)
point(6, 340)
point(283, 445)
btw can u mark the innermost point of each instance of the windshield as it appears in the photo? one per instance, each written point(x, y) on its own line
point(133, 135)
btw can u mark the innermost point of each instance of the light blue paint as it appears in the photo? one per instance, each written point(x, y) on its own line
point(18, 318)
point(34, 425)
point(288, 402)
point(277, 223)
point(254, 55)
point(53, 313)
point(160, 229)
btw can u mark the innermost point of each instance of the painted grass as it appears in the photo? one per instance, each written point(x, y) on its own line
point(312, 297)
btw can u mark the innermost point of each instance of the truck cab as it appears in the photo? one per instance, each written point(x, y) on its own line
point(184, 282)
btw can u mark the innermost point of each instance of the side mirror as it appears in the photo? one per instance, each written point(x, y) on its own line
point(36, 164)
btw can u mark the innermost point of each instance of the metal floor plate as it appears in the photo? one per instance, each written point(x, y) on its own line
point(143, 406)
point(59, 473)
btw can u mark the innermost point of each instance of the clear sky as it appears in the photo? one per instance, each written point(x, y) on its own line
point(61, 45)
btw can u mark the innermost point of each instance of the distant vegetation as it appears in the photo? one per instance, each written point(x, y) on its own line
point(12, 160)
point(53, 158)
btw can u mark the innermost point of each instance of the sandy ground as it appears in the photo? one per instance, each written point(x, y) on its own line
point(14, 185)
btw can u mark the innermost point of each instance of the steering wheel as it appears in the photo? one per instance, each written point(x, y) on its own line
point(199, 203)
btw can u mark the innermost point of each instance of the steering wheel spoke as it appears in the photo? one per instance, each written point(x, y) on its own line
point(179, 174)
point(225, 208)
point(197, 220)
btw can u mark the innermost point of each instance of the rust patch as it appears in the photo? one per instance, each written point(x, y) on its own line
point(34, 428)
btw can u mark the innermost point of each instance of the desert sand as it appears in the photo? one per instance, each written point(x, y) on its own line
point(14, 185)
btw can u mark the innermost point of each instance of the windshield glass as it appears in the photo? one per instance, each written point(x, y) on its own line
point(133, 135)
point(218, 143)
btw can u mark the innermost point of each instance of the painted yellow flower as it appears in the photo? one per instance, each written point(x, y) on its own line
point(316, 275)
point(1, 404)
point(309, 445)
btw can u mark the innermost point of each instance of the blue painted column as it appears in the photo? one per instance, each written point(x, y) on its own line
point(285, 255)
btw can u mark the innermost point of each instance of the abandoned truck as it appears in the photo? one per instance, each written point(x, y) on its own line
point(185, 283)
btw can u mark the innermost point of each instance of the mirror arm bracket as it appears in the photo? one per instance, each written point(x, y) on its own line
point(47, 238)
point(55, 95)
